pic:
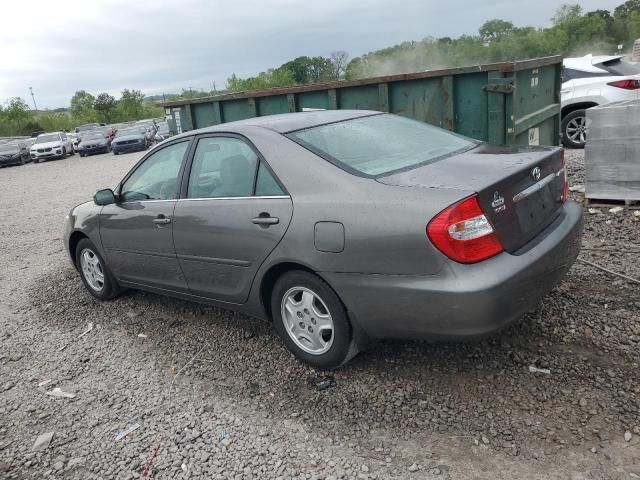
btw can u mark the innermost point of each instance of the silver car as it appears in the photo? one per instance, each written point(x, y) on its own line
point(341, 227)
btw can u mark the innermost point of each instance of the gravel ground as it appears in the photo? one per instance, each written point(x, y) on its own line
point(216, 395)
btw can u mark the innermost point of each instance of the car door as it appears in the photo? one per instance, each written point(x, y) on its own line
point(232, 214)
point(137, 231)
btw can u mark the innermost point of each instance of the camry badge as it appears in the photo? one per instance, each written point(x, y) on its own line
point(498, 202)
point(535, 174)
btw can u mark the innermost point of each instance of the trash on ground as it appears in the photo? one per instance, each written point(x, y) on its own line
point(126, 431)
point(62, 348)
point(59, 393)
point(533, 369)
point(42, 442)
point(147, 467)
point(321, 382)
point(44, 382)
point(627, 436)
point(142, 335)
point(593, 210)
point(89, 328)
point(222, 434)
point(173, 369)
point(616, 209)
point(636, 213)
point(577, 188)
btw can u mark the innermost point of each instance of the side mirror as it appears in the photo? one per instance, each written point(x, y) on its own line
point(104, 197)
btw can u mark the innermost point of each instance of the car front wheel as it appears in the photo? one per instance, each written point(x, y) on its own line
point(311, 320)
point(574, 129)
point(95, 274)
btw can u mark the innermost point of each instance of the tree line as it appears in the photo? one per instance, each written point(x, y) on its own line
point(16, 118)
point(573, 32)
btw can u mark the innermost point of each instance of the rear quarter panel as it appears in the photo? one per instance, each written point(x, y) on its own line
point(384, 226)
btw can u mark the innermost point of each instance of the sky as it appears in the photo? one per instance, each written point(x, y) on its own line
point(59, 47)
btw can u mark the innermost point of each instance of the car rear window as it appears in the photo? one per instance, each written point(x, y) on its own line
point(618, 67)
point(380, 144)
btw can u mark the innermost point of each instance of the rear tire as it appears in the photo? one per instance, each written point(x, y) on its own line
point(311, 320)
point(95, 273)
point(573, 127)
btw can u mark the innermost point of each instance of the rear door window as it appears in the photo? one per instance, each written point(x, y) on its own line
point(229, 167)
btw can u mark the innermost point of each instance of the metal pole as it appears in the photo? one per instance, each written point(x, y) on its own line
point(33, 97)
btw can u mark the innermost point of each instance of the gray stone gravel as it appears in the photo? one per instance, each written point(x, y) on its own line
point(242, 407)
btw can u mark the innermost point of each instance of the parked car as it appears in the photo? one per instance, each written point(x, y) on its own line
point(51, 145)
point(589, 81)
point(129, 140)
point(340, 226)
point(93, 142)
point(14, 152)
point(88, 127)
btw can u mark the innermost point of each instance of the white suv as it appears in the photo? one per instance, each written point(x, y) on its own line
point(51, 145)
point(589, 81)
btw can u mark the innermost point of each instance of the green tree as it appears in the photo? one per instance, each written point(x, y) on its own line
point(105, 106)
point(82, 107)
point(566, 13)
point(130, 106)
point(17, 112)
point(626, 9)
point(495, 29)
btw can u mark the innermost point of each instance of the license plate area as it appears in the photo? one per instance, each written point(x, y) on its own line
point(535, 209)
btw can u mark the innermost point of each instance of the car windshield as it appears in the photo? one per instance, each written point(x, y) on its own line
point(9, 147)
point(127, 131)
point(618, 67)
point(92, 136)
point(52, 137)
point(380, 144)
point(84, 128)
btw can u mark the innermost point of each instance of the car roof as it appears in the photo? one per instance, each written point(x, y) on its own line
point(288, 122)
point(588, 62)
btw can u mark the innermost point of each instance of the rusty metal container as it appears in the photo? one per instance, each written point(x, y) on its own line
point(507, 102)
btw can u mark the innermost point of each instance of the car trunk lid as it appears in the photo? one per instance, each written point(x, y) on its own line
point(519, 188)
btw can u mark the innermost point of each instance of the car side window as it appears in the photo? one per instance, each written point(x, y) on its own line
point(157, 177)
point(222, 167)
point(266, 185)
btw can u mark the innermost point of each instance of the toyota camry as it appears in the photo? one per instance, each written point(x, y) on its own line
point(341, 227)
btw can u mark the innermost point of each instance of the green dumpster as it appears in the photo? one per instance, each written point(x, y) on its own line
point(507, 102)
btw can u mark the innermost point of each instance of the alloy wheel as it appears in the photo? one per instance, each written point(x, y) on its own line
point(92, 269)
point(307, 320)
point(577, 130)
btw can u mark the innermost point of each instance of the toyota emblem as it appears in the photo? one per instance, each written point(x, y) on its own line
point(535, 174)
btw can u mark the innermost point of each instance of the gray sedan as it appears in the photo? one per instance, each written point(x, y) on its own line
point(341, 227)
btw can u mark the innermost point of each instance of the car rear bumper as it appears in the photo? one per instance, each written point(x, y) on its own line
point(463, 300)
point(91, 151)
point(134, 147)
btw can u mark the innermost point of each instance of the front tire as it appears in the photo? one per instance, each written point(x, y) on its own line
point(574, 129)
point(95, 274)
point(311, 320)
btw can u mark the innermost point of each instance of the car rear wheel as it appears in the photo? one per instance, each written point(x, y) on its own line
point(95, 274)
point(311, 320)
point(574, 129)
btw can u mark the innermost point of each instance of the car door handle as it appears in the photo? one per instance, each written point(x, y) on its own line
point(265, 219)
point(161, 220)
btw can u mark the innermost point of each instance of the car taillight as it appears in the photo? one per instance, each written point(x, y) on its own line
point(565, 179)
point(625, 84)
point(463, 232)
